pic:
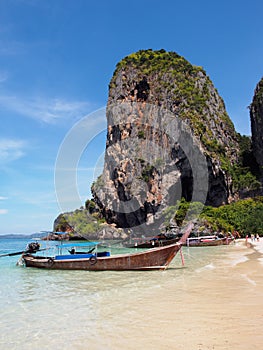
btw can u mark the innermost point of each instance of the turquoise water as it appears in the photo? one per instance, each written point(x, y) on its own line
point(81, 309)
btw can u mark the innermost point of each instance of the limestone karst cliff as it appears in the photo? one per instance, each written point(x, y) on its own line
point(256, 117)
point(169, 136)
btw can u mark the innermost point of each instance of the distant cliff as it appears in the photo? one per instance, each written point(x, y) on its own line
point(256, 117)
point(165, 118)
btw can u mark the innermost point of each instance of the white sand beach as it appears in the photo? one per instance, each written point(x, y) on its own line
point(220, 308)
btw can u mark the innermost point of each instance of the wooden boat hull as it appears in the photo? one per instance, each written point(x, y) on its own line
point(156, 258)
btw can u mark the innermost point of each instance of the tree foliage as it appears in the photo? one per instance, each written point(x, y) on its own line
point(81, 221)
point(244, 216)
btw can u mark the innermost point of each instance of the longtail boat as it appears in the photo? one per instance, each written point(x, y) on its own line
point(155, 258)
point(205, 241)
point(158, 241)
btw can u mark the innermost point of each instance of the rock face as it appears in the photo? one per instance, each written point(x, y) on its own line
point(169, 137)
point(256, 117)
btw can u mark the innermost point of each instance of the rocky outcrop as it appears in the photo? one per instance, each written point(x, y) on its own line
point(169, 137)
point(256, 117)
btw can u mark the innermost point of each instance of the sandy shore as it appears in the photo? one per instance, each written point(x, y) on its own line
point(220, 309)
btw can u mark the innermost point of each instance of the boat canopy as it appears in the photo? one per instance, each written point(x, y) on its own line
point(82, 244)
point(202, 237)
point(55, 232)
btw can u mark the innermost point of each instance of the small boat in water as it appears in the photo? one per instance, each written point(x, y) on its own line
point(205, 241)
point(152, 242)
point(155, 258)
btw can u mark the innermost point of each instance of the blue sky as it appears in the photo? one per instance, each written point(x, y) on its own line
point(57, 58)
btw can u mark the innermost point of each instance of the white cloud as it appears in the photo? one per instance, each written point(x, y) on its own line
point(45, 110)
point(3, 198)
point(3, 211)
point(11, 150)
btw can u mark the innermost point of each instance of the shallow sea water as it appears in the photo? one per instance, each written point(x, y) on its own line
point(135, 310)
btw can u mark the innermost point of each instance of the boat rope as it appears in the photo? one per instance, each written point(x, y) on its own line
point(182, 255)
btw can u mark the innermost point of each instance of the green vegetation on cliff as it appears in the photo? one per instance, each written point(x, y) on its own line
point(181, 87)
point(245, 172)
point(244, 216)
point(258, 96)
point(160, 60)
point(84, 222)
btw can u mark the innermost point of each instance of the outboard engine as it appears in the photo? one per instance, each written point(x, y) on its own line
point(32, 247)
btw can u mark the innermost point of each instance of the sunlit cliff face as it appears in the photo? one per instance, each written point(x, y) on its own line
point(168, 135)
point(256, 116)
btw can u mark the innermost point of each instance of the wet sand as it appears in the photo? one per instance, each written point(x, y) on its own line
point(219, 308)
